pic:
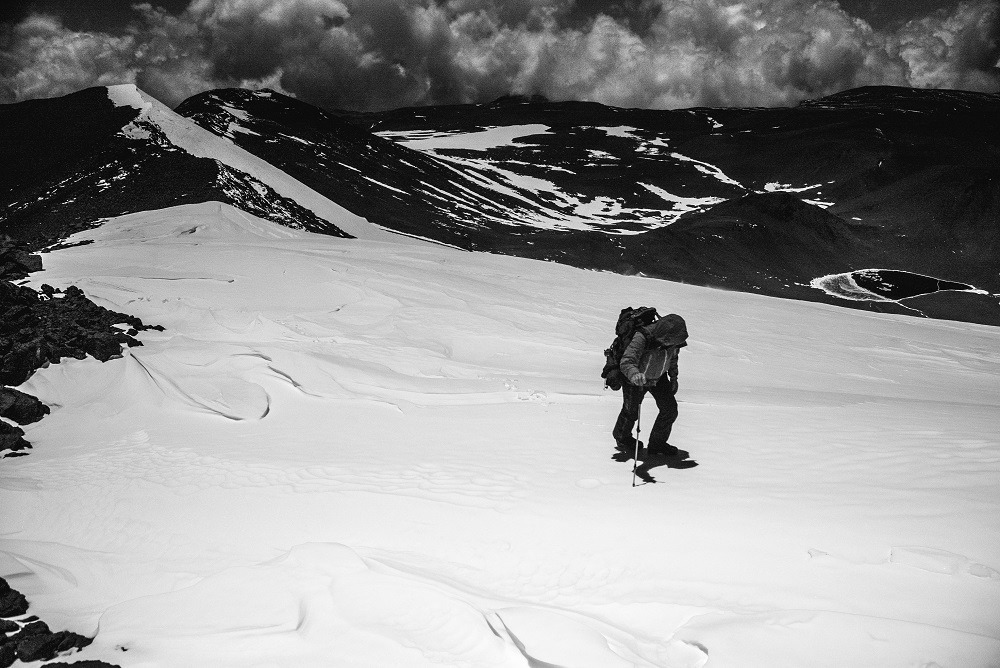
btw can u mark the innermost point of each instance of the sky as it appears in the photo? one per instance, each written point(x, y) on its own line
point(383, 54)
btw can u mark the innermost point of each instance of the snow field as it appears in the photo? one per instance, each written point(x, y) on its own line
point(368, 453)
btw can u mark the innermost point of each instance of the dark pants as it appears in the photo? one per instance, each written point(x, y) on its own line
point(666, 406)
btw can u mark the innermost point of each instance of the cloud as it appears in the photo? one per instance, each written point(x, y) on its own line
point(375, 54)
point(47, 60)
point(956, 50)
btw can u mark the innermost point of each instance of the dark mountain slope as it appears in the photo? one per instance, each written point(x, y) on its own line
point(371, 176)
point(920, 168)
point(72, 161)
point(749, 199)
point(43, 140)
point(475, 197)
point(771, 241)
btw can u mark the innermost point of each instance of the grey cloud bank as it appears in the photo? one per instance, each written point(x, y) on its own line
point(378, 54)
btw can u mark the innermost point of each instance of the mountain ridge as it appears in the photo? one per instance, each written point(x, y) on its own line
point(696, 195)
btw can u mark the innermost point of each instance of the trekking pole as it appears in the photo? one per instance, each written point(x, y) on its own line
point(638, 443)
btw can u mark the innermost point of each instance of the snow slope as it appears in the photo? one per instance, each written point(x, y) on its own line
point(377, 453)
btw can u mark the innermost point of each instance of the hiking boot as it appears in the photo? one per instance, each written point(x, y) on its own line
point(626, 445)
point(663, 450)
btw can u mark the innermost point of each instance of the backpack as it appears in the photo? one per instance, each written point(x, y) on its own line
point(629, 320)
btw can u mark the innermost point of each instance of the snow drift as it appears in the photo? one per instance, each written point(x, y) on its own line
point(371, 453)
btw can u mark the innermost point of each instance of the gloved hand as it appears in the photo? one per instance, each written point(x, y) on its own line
point(673, 386)
point(638, 379)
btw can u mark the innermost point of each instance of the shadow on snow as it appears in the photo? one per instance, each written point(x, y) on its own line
point(675, 461)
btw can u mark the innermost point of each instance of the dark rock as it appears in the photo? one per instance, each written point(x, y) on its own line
point(34, 641)
point(7, 627)
point(12, 295)
point(105, 347)
point(8, 654)
point(12, 602)
point(20, 407)
point(11, 438)
point(15, 260)
point(46, 646)
point(82, 664)
point(35, 628)
point(36, 331)
point(40, 328)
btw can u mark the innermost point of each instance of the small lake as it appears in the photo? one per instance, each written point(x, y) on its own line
point(885, 285)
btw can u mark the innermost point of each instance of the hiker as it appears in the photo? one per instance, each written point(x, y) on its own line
point(649, 364)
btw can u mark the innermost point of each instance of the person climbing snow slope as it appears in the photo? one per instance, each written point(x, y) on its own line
point(649, 364)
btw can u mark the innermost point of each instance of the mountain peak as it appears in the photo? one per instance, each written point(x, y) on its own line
point(903, 98)
point(128, 95)
point(510, 100)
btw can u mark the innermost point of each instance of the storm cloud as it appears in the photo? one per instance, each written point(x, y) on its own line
point(377, 54)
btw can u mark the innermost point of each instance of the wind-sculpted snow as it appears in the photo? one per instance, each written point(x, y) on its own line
point(359, 452)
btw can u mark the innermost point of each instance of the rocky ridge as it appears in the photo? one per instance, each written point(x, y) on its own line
point(26, 638)
point(38, 328)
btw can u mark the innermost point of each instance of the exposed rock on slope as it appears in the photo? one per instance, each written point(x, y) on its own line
point(40, 328)
point(29, 639)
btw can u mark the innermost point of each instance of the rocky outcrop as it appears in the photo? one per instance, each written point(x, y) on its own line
point(20, 407)
point(30, 639)
point(16, 262)
point(38, 328)
point(12, 439)
point(42, 328)
point(12, 603)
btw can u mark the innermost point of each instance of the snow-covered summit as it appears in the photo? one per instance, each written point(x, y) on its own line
point(129, 95)
point(190, 137)
point(113, 150)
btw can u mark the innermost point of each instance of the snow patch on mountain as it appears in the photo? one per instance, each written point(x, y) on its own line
point(546, 205)
point(478, 140)
point(127, 95)
point(681, 205)
point(709, 169)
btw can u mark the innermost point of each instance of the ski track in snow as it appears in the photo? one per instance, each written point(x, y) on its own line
point(369, 453)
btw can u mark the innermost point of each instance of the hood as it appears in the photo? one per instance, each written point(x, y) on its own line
point(670, 330)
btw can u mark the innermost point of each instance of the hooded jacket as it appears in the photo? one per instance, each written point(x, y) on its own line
point(669, 334)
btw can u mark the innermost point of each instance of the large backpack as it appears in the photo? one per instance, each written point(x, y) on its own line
point(629, 320)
